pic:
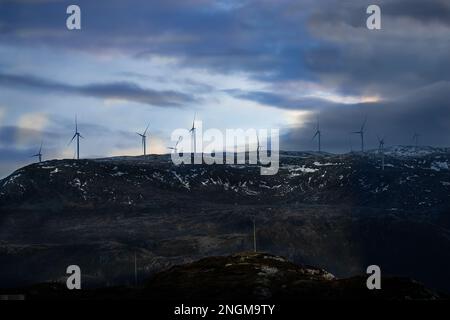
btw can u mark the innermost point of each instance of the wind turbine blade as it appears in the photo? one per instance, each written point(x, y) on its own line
point(193, 121)
point(72, 139)
point(146, 129)
point(364, 123)
point(81, 136)
point(317, 132)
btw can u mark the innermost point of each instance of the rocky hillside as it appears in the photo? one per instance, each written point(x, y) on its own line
point(406, 183)
point(341, 213)
point(264, 276)
point(247, 276)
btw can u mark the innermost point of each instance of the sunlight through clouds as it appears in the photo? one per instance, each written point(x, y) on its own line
point(336, 98)
point(35, 121)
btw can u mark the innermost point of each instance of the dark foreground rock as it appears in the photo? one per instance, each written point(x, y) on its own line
point(244, 276)
point(264, 276)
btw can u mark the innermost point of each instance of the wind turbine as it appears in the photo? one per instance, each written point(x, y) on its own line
point(192, 131)
point(351, 145)
point(78, 136)
point(144, 139)
point(416, 140)
point(318, 135)
point(361, 133)
point(381, 150)
point(39, 154)
point(175, 148)
point(258, 145)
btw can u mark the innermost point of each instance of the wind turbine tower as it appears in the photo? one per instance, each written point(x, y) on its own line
point(39, 154)
point(192, 131)
point(351, 144)
point(258, 145)
point(361, 133)
point(144, 139)
point(78, 136)
point(381, 150)
point(175, 148)
point(318, 135)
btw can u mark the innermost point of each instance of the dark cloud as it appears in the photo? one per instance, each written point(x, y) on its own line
point(273, 41)
point(267, 38)
point(280, 101)
point(408, 53)
point(426, 111)
point(12, 158)
point(127, 91)
point(13, 135)
point(437, 11)
point(192, 85)
point(14, 155)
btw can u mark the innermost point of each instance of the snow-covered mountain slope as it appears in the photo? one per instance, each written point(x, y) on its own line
point(340, 213)
point(405, 183)
point(412, 151)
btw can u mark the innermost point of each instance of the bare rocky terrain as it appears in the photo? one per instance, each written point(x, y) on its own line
point(336, 212)
point(246, 276)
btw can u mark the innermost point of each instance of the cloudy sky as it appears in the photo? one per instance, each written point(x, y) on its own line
point(237, 64)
